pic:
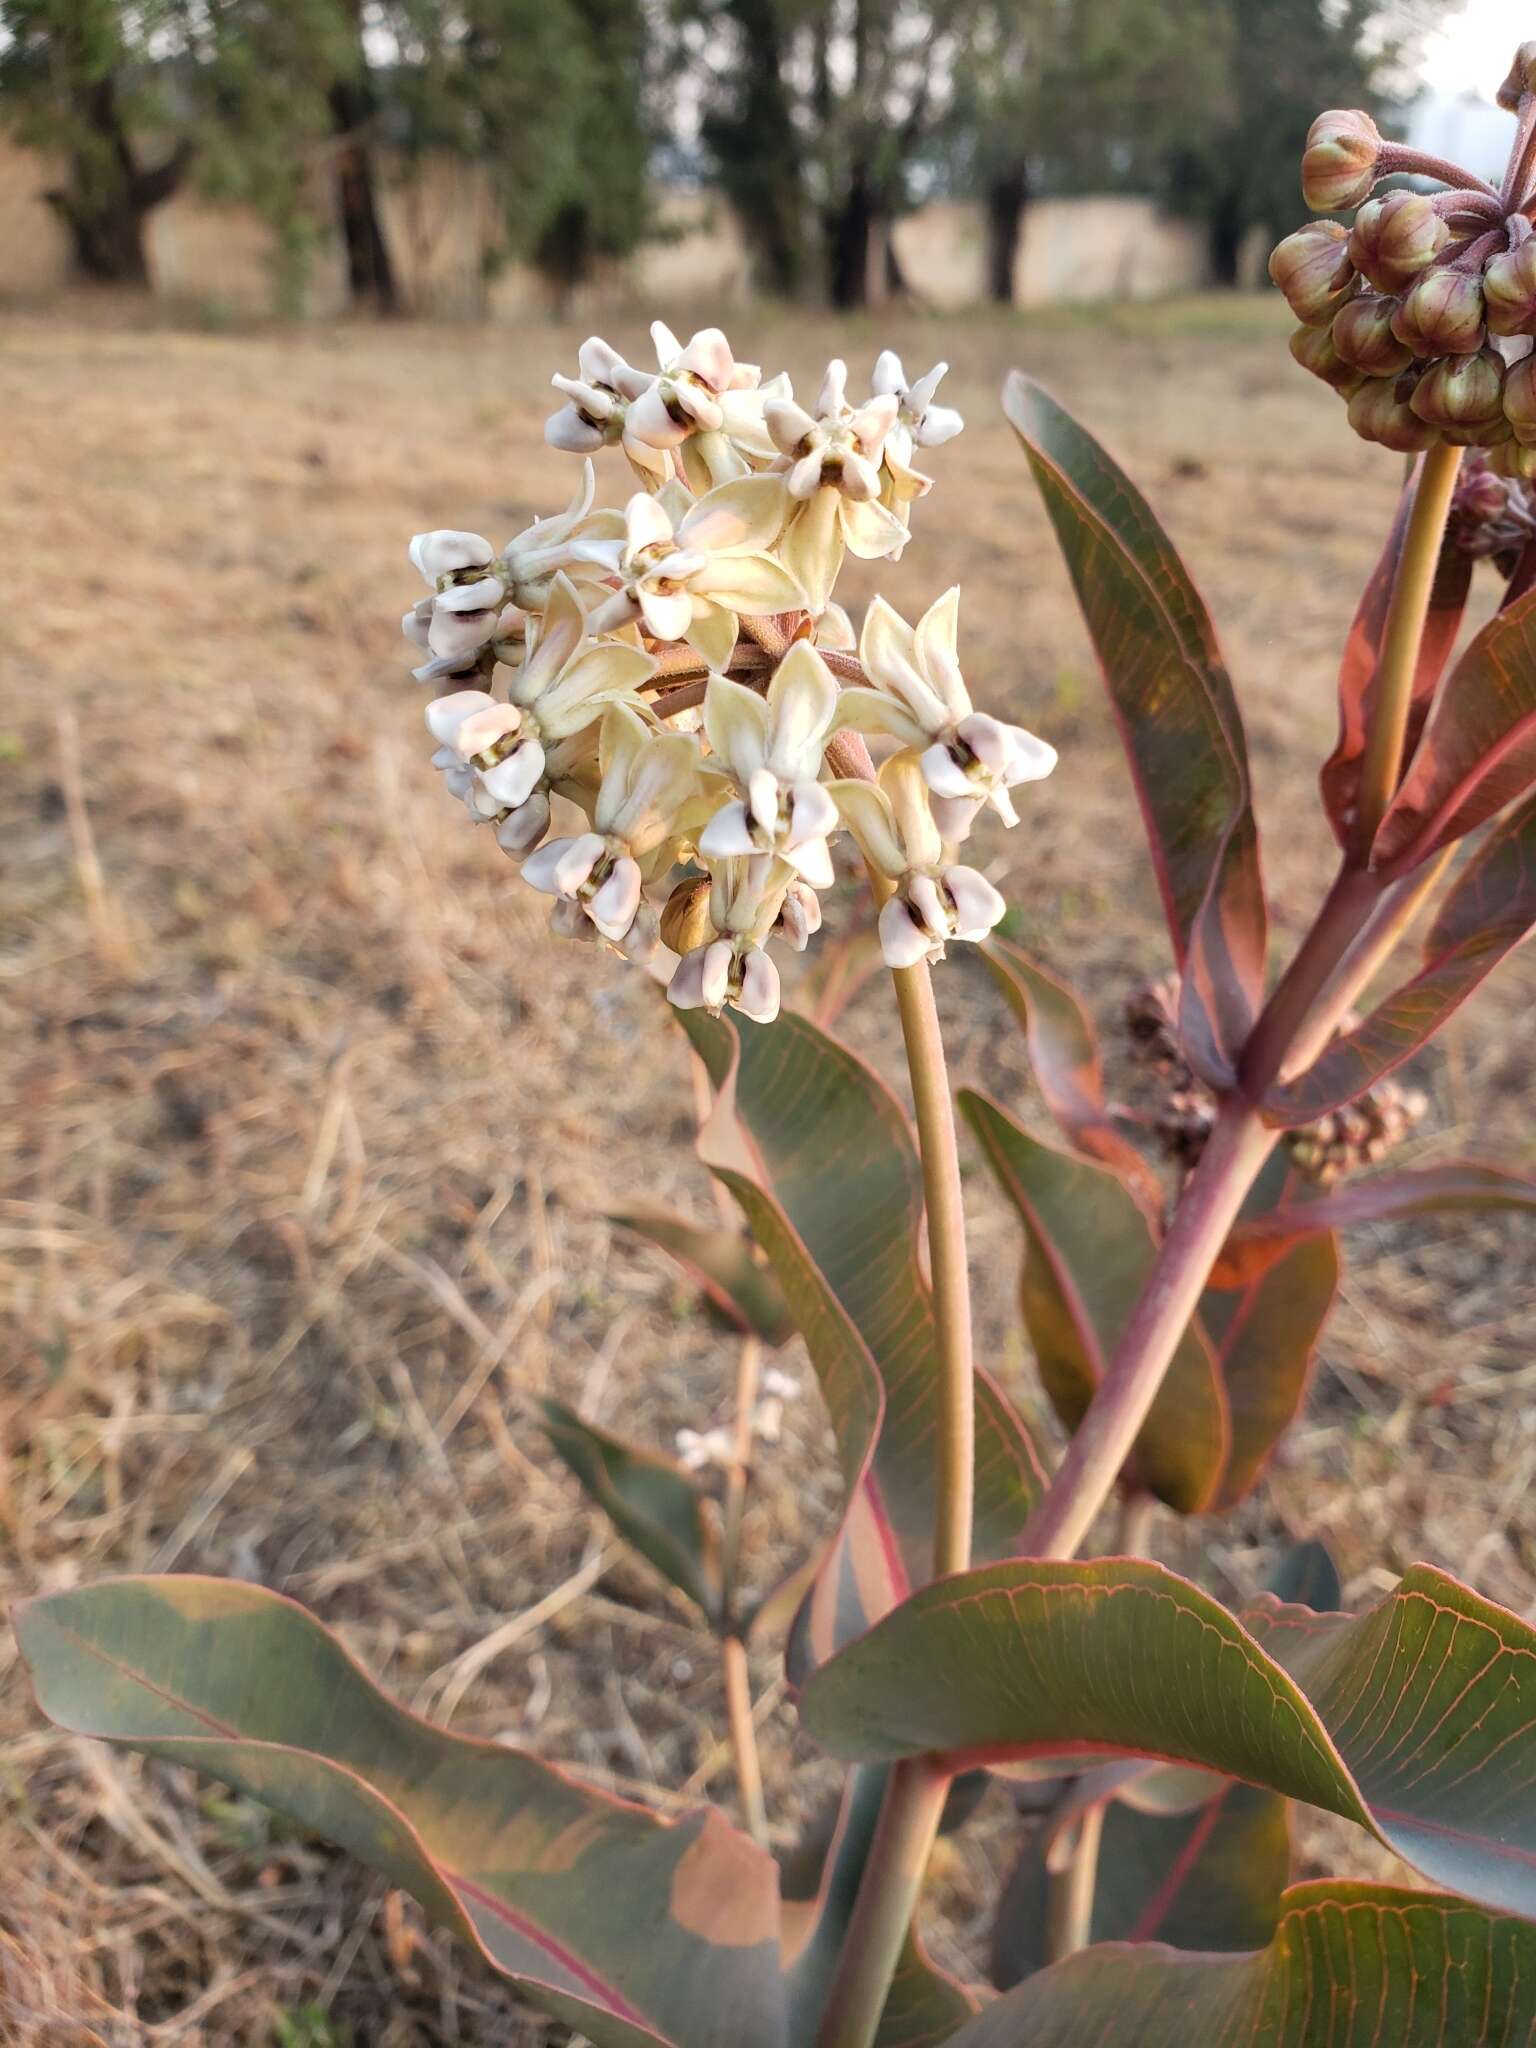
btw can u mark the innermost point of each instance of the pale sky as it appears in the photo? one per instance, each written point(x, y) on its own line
point(1473, 50)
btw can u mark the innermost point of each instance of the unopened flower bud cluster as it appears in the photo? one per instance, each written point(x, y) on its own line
point(1492, 517)
point(1421, 313)
point(672, 673)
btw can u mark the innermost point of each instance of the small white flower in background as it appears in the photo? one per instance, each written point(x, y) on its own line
point(698, 1449)
point(773, 746)
point(781, 1386)
point(830, 464)
point(933, 901)
point(918, 695)
point(689, 569)
point(745, 897)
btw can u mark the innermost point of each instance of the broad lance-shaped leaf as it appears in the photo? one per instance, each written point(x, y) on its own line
point(1340, 778)
point(630, 1929)
point(1350, 1966)
point(1064, 1053)
point(817, 1152)
point(721, 1263)
point(1089, 1250)
point(1416, 1719)
point(650, 1500)
point(1177, 714)
point(1491, 909)
point(1479, 752)
point(1207, 1879)
point(1460, 1184)
point(1265, 1334)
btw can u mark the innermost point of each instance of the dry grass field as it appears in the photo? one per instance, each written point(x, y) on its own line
point(311, 1130)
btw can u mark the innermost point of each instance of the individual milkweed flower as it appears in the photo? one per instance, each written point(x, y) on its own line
point(690, 580)
point(933, 901)
point(830, 465)
point(919, 424)
point(799, 917)
point(687, 395)
point(529, 562)
point(562, 687)
point(651, 781)
point(773, 746)
point(460, 617)
point(596, 415)
point(745, 898)
point(918, 695)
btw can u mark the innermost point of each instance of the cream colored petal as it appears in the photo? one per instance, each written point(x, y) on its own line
point(872, 711)
point(713, 632)
point(888, 378)
point(667, 614)
point(614, 905)
point(938, 639)
point(789, 425)
point(811, 860)
point(903, 941)
point(736, 722)
point(873, 422)
point(646, 523)
point(561, 866)
point(729, 834)
point(562, 628)
point(834, 629)
point(755, 586)
point(445, 715)
point(812, 547)
point(661, 780)
point(621, 736)
point(666, 344)
point(708, 356)
point(870, 531)
point(606, 671)
point(865, 809)
point(861, 479)
point(901, 778)
point(759, 997)
point(570, 432)
point(745, 517)
point(977, 905)
point(802, 699)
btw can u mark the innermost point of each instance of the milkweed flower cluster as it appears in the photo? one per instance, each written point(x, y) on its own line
point(1422, 312)
point(662, 711)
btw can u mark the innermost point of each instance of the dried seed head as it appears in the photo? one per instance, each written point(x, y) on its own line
point(1396, 237)
point(1364, 334)
point(1338, 166)
point(685, 922)
point(1521, 79)
point(1313, 269)
point(1442, 314)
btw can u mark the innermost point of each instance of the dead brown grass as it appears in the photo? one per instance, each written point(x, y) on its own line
point(313, 1131)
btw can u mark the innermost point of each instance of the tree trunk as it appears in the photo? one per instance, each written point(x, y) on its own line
point(848, 232)
point(370, 271)
point(107, 198)
point(751, 136)
point(1007, 195)
point(1227, 228)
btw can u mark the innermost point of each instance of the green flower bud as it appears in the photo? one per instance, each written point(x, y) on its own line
point(1521, 79)
point(1363, 334)
point(1378, 413)
point(1442, 315)
point(1520, 399)
point(1514, 459)
point(1459, 392)
point(1509, 289)
point(1313, 271)
point(1338, 167)
point(1313, 348)
point(1396, 237)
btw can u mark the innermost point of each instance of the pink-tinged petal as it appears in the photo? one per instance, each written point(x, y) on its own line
point(861, 479)
point(646, 524)
point(522, 829)
point(560, 868)
point(955, 815)
point(685, 991)
point(987, 739)
point(600, 364)
point(928, 906)
point(667, 617)
point(708, 357)
point(759, 998)
point(978, 906)
point(889, 379)
point(812, 860)
point(872, 422)
point(746, 516)
point(800, 916)
point(832, 402)
point(754, 586)
point(455, 636)
point(444, 715)
point(812, 815)
point(804, 478)
point(643, 939)
point(486, 724)
point(736, 725)
point(712, 633)
point(719, 957)
point(568, 431)
point(648, 420)
point(1030, 758)
point(728, 835)
point(443, 667)
point(614, 906)
point(763, 799)
point(480, 804)
point(665, 342)
point(789, 425)
point(704, 410)
point(745, 376)
point(903, 942)
point(802, 700)
point(486, 593)
point(870, 531)
point(944, 774)
point(513, 781)
point(445, 551)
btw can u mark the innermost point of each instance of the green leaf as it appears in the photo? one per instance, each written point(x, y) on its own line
point(1177, 714)
point(629, 1929)
point(651, 1501)
point(820, 1884)
point(1265, 1335)
point(1459, 1184)
point(1340, 778)
point(1064, 1053)
point(720, 1262)
point(1412, 1719)
point(1208, 1879)
point(1350, 1966)
point(1490, 909)
point(1479, 752)
point(818, 1153)
point(1090, 1249)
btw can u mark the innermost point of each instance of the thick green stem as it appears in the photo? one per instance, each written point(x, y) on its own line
point(1409, 608)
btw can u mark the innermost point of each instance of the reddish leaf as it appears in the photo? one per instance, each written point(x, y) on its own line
point(1178, 719)
point(1254, 1246)
point(1265, 1335)
point(1479, 752)
point(1491, 908)
point(1064, 1054)
point(721, 1264)
point(1340, 778)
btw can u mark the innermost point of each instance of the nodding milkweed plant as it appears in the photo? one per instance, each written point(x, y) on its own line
point(665, 718)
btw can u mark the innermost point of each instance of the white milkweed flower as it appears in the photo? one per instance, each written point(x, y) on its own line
point(651, 781)
point(920, 698)
point(830, 465)
point(529, 562)
point(919, 424)
point(773, 746)
point(596, 412)
point(685, 397)
point(745, 897)
point(799, 915)
point(562, 687)
point(688, 570)
point(933, 902)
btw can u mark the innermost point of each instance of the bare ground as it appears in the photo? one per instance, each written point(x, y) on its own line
point(313, 1130)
